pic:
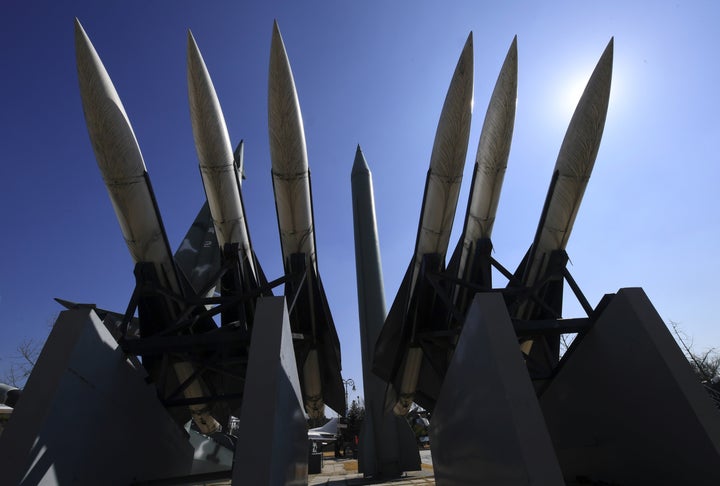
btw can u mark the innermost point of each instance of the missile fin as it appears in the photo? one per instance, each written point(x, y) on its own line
point(332, 385)
point(394, 336)
point(198, 256)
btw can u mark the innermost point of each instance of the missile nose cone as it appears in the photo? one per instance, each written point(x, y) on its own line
point(277, 46)
point(360, 165)
point(512, 52)
point(113, 140)
point(602, 74)
point(453, 130)
point(209, 129)
point(588, 120)
point(276, 28)
point(465, 63)
point(288, 151)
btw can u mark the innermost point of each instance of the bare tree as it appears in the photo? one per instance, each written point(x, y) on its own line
point(22, 363)
point(26, 355)
point(705, 364)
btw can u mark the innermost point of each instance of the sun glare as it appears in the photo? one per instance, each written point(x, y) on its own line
point(569, 94)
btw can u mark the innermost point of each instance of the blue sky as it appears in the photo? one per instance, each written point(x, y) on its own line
point(373, 73)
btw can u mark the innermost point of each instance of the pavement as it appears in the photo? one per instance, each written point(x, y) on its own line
point(341, 472)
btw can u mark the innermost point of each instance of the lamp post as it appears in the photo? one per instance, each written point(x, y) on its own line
point(346, 383)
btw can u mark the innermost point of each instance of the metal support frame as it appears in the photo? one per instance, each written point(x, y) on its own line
point(551, 326)
point(209, 351)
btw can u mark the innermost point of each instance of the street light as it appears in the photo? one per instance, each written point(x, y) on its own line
point(348, 382)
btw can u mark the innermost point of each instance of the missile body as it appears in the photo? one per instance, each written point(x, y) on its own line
point(123, 170)
point(220, 175)
point(318, 354)
point(387, 444)
point(398, 356)
point(571, 174)
point(221, 171)
point(540, 270)
point(121, 164)
point(490, 164)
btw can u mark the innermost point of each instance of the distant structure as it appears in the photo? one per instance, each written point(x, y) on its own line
point(387, 445)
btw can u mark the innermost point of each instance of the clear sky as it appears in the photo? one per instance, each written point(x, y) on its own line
point(373, 73)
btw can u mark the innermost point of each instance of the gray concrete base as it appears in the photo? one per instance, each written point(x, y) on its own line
point(387, 446)
point(487, 427)
point(86, 416)
point(273, 444)
point(626, 408)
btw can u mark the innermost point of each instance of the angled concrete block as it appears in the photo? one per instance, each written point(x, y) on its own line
point(487, 427)
point(625, 408)
point(273, 446)
point(387, 444)
point(87, 416)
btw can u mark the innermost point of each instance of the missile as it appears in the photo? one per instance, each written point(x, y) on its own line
point(217, 166)
point(126, 179)
point(398, 355)
point(571, 173)
point(386, 442)
point(220, 169)
point(570, 177)
point(490, 165)
point(318, 353)
point(121, 164)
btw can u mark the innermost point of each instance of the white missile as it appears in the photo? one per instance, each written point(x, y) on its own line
point(291, 175)
point(470, 261)
point(571, 174)
point(398, 357)
point(446, 164)
point(221, 177)
point(123, 170)
point(490, 161)
point(319, 355)
point(121, 164)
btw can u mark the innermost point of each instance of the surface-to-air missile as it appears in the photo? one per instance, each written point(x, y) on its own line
point(317, 350)
point(123, 170)
point(541, 270)
point(470, 262)
point(399, 359)
point(221, 171)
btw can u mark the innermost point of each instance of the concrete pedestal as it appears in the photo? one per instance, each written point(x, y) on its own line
point(272, 447)
point(86, 416)
point(487, 427)
point(625, 408)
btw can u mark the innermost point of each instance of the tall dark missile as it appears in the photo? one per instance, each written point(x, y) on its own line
point(387, 444)
point(398, 355)
point(318, 353)
point(570, 177)
point(221, 174)
point(123, 170)
point(470, 262)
